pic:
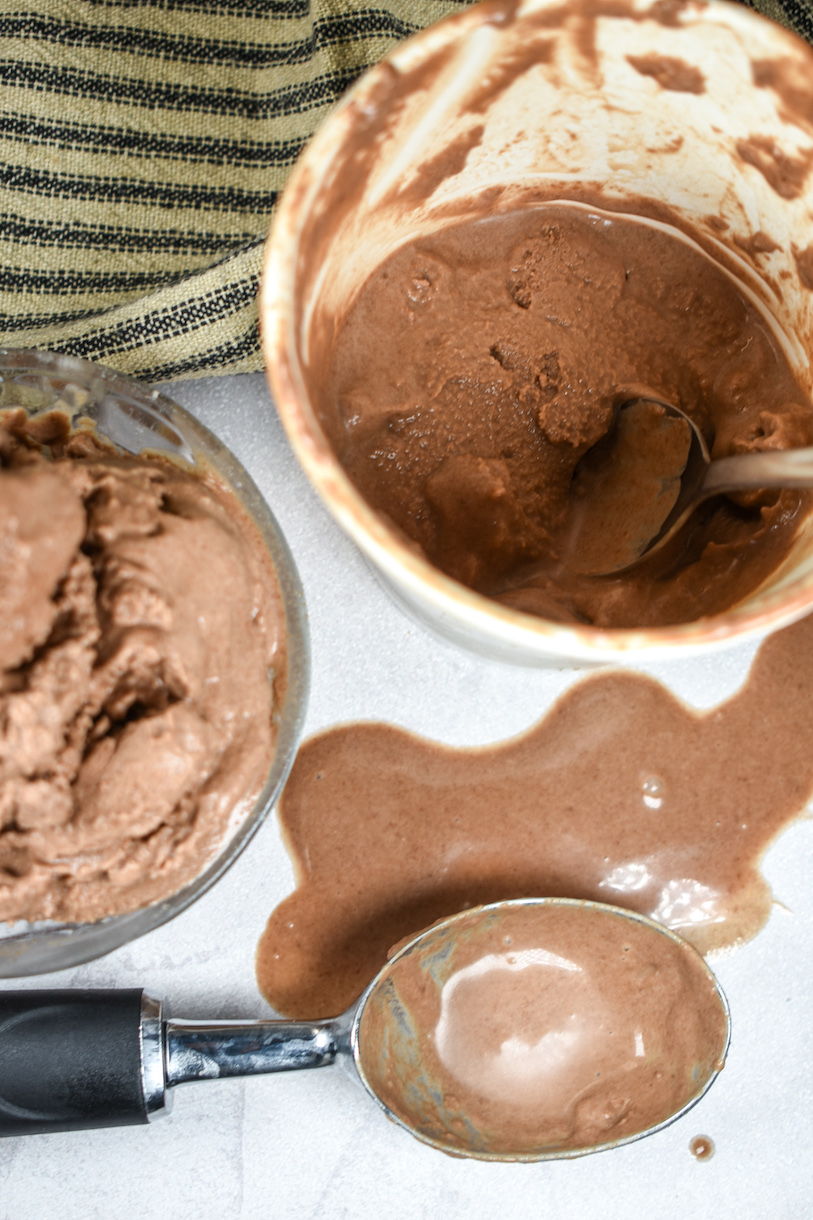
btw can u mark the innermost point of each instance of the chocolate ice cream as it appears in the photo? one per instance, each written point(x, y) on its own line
point(479, 365)
point(142, 659)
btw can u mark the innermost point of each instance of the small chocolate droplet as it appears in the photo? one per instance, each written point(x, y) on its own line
point(702, 1147)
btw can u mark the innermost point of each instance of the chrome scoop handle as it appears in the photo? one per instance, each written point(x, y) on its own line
point(71, 1060)
point(206, 1050)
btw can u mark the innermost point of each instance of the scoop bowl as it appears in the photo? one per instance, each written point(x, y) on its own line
point(513, 1031)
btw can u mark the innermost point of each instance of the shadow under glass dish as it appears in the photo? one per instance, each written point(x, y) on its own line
point(136, 418)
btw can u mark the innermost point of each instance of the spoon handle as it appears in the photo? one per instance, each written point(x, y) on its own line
point(768, 468)
point(72, 1060)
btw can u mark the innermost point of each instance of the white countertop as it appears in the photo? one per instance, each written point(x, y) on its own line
point(311, 1145)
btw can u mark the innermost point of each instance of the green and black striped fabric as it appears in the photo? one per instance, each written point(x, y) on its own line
point(144, 143)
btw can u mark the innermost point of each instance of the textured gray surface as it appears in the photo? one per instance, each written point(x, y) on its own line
point(311, 1145)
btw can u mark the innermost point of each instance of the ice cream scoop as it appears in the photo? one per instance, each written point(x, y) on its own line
point(525, 1030)
point(635, 490)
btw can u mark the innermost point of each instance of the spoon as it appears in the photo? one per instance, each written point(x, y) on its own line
point(524, 1030)
point(612, 531)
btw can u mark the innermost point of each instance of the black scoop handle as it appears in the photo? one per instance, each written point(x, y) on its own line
point(70, 1060)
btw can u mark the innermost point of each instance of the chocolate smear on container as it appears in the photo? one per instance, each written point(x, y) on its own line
point(670, 73)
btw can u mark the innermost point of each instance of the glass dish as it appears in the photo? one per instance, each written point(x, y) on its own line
point(135, 418)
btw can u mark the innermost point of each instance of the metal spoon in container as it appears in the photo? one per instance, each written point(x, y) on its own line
point(637, 487)
point(525, 1030)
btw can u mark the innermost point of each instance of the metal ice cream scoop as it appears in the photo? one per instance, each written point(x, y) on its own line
point(699, 479)
point(78, 1059)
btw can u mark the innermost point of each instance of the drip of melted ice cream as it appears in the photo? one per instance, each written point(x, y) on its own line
point(541, 1028)
point(140, 629)
point(620, 794)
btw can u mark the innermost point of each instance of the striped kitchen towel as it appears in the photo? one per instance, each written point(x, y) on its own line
point(144, 143)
